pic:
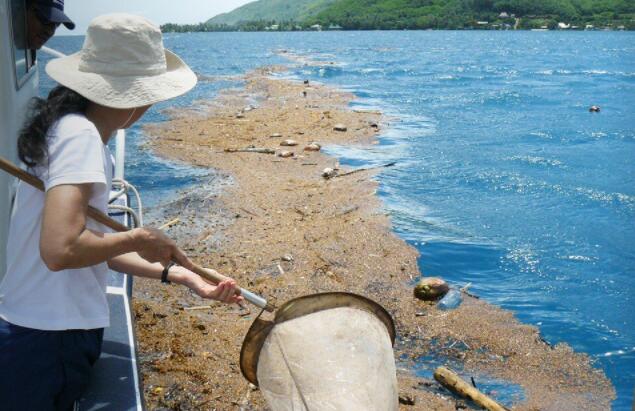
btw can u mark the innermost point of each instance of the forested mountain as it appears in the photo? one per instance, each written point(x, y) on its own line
point(400, 14)
point(421, 14)
point(272, 10)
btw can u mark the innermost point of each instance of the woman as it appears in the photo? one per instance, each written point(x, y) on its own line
point(53, 306)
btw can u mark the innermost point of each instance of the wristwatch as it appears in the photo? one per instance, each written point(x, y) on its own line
point(164, 273)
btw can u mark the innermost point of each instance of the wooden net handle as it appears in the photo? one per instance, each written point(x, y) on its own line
point(37, 183)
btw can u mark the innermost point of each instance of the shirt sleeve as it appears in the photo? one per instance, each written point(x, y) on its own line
point(75, 156)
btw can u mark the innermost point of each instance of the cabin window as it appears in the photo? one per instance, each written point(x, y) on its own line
point(24, 58)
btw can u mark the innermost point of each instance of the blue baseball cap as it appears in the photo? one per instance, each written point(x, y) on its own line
point(53, 11)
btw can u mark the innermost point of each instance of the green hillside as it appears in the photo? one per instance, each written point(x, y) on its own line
point(272, 10)
point(423, 14)
point(420, 14)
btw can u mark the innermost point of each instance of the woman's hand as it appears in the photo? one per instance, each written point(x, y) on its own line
point(225, 291)
point(154, 246)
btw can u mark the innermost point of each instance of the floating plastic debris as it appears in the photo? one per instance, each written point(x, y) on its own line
point(289, 143)
point(451, 300)
point(313, 147)
point(286, 154)
point(329, 173)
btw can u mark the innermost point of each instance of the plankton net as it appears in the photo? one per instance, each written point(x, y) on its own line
point(330, 351)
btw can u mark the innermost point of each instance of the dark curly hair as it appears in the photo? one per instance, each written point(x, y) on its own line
point(32, 144)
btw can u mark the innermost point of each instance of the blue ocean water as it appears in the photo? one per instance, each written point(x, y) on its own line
point(504, 179)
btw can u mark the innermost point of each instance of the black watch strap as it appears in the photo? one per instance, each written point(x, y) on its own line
point(164, 273)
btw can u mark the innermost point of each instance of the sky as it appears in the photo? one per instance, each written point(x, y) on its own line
point(159, 11)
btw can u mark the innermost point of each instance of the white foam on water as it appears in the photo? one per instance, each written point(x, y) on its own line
point(580, 258)
point(536, 160)
point(617, 353)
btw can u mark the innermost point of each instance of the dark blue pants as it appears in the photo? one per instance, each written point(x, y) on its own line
point(45, 370)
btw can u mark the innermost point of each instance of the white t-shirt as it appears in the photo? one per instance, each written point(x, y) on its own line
point(31, 295)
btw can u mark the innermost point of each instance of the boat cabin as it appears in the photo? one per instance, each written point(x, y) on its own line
point(18, 84)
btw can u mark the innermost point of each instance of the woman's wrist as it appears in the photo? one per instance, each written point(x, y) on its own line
point(179, 275)
point(133, 239)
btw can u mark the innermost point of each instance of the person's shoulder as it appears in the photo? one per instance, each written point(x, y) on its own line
point(74, 122)
point(72, 126)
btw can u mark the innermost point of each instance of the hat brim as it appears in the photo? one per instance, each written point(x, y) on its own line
point(127, 91)
point(55, 15)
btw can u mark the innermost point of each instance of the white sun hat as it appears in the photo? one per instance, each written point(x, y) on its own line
point(123, 64)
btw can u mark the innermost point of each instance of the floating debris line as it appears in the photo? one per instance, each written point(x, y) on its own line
point(338, 242)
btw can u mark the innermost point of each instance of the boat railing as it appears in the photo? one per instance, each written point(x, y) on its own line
point(123, 188)
point(52, 52)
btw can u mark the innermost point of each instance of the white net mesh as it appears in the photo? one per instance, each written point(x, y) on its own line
point(337, 359)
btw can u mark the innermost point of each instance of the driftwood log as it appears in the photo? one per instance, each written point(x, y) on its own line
point(259, 150)
point(359, 170)
point(450, 380)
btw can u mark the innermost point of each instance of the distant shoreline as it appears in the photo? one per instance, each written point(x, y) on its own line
point(370, 30)
point(376, 30)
